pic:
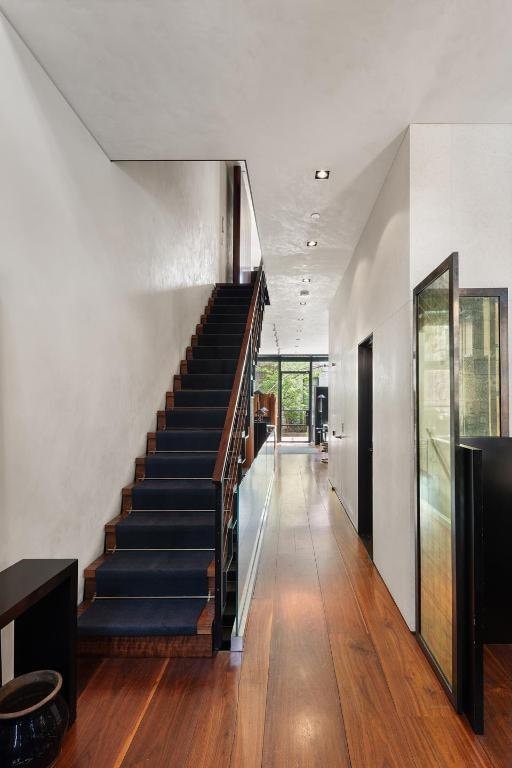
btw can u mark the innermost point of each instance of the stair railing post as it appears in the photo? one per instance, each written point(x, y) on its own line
point(219, 560)
point(236, 513)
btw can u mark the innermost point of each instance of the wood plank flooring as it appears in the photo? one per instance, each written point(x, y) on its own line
point(330, 676)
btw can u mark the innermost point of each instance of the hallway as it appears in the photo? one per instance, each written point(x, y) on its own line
point(330, 675)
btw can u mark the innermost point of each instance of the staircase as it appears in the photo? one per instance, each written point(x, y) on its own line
point(162, 586)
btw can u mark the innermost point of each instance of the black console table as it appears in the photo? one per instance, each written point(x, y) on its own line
point(40, 597)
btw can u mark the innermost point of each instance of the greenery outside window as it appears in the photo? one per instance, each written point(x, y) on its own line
point(483, 397)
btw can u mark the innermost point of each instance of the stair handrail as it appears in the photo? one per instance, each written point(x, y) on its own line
point(227, 432)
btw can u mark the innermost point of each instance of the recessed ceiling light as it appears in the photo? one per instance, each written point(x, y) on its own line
point(306, 279)
point(322, 174)
point(315, 216)
point(312, 243)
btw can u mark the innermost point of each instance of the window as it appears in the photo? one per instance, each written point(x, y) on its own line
point(483, 363)
point(267, 377)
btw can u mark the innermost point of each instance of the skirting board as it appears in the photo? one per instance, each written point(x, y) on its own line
point(345, 506)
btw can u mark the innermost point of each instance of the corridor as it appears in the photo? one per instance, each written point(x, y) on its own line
point(330, 675)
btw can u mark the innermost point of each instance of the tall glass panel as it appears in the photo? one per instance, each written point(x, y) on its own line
point(480, 411)
point(435, 465)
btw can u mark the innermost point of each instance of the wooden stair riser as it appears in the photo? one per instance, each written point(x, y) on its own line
point(126, 500)
point(165, 647)
point(110, 533)
point(140, 469)
point(169, 400)
point(151, 443)
point(90, 577)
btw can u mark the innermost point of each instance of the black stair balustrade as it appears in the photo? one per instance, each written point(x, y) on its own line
point(227, 472)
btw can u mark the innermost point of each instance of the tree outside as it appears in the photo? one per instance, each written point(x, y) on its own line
point(294, 393)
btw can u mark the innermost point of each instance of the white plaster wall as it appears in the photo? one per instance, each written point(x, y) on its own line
point(461, 200)
point(104, 271)
point(374, 297)
point(449, 189)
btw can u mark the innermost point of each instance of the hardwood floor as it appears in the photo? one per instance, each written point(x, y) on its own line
point(330, 675)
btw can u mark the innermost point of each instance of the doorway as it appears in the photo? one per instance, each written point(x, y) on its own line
point(365, 444)
point(295, 402)
point(294, 381)
point(439, 526)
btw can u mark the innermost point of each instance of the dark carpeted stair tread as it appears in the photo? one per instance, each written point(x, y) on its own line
point(177, 529)
point(183, 464)
point(228, 308)
point(225, 327)
point(179, 494)
point(125, 617)
point(179, 484)
point(220, 339)
point(154, 573)
point(220, 351)
point(218, 317)
point(196, 417)
point(131, 562)
point(243, 309)
point(239, 290)
point(211, 326)
point(207, 381)
point(201, 398)
point(188, 439)
point(212, 365)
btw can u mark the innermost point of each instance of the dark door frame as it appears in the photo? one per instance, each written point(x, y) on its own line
point(308, 361)
point(454, 692)
point(365, 442)
point(237, 213)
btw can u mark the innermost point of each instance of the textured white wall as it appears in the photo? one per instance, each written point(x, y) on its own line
point(449, 189)
point(374, 297)
point(461, 200)
point(104, 271)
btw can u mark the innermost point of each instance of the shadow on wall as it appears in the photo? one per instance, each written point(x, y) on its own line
point(363, 185)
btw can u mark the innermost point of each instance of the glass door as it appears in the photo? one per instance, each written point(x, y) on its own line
point(437, 428)
point(295, 392)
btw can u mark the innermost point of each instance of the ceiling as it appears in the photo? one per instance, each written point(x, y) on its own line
point(290, 86)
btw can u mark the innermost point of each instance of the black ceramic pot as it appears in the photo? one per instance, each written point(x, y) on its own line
point(33, 720)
